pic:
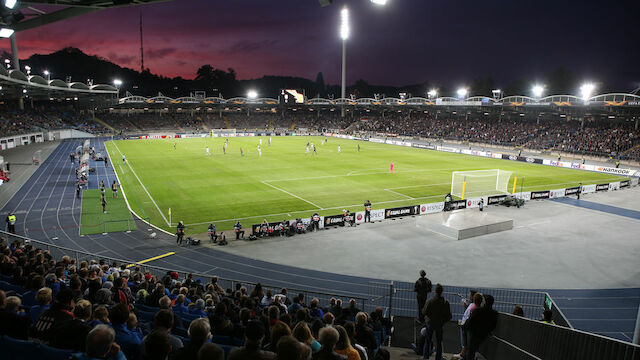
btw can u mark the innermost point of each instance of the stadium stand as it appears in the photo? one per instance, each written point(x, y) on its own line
point(136, 305)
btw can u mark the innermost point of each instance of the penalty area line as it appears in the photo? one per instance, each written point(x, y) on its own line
point(294, 195)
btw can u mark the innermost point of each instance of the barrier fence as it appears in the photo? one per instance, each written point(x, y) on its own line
point(520, 338)
point(395, 297)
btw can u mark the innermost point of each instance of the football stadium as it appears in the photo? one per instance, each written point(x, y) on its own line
point(158, 208)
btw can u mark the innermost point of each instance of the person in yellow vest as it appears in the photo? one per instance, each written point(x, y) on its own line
point(11, 223)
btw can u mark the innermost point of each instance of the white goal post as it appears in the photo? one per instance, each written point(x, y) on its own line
point(475, 183)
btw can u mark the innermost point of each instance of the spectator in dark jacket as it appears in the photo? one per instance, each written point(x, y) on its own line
point(16, 326)
point(422, 288)
point(73, 333)
point(437, 312)
point(364, 334)
point(480, 324)
point(61, 311)
point(328, 338)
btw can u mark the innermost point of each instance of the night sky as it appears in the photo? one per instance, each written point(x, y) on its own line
point(446, 42)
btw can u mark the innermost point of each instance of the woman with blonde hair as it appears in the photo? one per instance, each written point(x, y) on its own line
point(302, 332)
point(343, 347)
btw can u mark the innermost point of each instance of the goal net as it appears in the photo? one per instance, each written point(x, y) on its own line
point(465, 184)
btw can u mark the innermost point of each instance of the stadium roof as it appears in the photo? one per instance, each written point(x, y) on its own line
point(15, 83)
point(28, 14)
point(557, 101)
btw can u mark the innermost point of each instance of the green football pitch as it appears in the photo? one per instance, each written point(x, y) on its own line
point(286, 182)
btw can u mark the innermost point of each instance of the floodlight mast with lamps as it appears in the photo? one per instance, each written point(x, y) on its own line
point(344, 35)
point(379, 2)
point(10, 3)
point(6, 33)
point(252, 94)
point(47, 74)
point(537, 91)
point(586, 90)
point(117, 83)
point(462, 93)
point(432, 94)
point(496, 93)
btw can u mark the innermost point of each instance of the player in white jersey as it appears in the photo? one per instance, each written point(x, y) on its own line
point(307, 151)
point(208, 153)
point(269, 140)
point(338, 149)
point(260, 141)
point(259, 151)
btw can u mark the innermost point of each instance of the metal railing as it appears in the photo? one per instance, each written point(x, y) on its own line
point(396, 298)
point(520, 338)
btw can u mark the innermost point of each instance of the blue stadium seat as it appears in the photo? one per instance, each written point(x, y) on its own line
point(145, 316)
point(221, 339)
point(28, 350)
point(237, 342)
point(180, 332)
point(227, 350)
point(147, 308)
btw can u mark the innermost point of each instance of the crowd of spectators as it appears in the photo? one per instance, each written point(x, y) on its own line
point(96, 309)
point(16, 122)
point(598, 138)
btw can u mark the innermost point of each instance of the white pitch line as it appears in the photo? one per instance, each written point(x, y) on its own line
point(144, 187)
point(415, 186)
point(352, 173)
point(294, 195)
point(397, 193)
point(302, 211)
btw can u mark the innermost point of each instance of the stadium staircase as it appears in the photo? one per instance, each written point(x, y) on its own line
point(270, 124)
point(353, 127)
point(177, 124)
point(293, 124)
point(226, 123)
point(104, 123)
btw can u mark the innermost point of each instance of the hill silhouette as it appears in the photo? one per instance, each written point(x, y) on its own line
point(73, 63)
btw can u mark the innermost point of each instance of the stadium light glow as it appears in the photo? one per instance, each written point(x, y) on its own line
point(252, 94)
point(432, 93)
point(537, 90)
point(117, 82)
point(344, 23)
point(586, 90)
point(496, 93)
point(10, 3)
point(379, 2)
point(5, 33)
point(462, 92)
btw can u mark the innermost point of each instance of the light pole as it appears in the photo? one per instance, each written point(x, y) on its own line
point(537, 91)
point(117, 83)
point(48, 75)
point(344, 35)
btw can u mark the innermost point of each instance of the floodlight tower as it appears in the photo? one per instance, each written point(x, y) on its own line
point(537, 91)
point(344, 35)
point(462, 93)
point(586, 90)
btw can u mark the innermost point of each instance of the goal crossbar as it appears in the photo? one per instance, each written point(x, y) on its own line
point(474, 183)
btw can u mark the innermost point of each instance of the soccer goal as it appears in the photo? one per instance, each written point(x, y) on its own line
point(476, 183)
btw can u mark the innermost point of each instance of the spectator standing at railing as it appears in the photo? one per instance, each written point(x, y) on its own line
point(480, 324)
point(476, 302)
point(438, 312)
point(422, 288)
